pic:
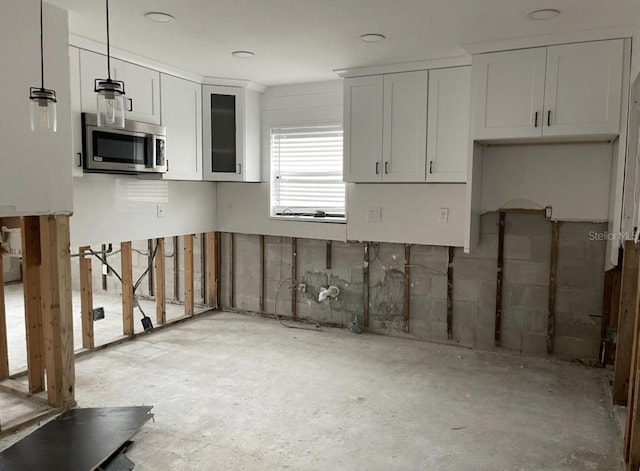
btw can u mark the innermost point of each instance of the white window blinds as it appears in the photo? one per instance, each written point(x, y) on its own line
point(306, 170)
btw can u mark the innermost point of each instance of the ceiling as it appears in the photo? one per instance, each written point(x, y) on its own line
point(305, 40)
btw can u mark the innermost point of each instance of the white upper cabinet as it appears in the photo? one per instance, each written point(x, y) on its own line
point(405, 126)
point(385, 120)
point(142, 86)
point(448, 129)
point(363, 100)
point(76, 110)
point(583, 92)
point(508, 89)
point(231, 133)
point(182, 116)
point(570, 91)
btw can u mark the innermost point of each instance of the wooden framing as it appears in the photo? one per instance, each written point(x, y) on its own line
point(127, 288)
point(365, 286)
point(151, 284)
point(328, 258)
point(499, 278)
point(632, 430)
point(626, 322)
point(294, 277)
point(160, 279)
point(262, 277)
point(188, 275)
point(4, 351)
point(176, 268)
point(218, 269)
point(407, 287)
point(104, 277)
point(212, 273)
point(56, 310)
point(231, 266)
point(32, 284)
point(203, 268)
point(553, 274)
point(86, 299)
point(450, 251)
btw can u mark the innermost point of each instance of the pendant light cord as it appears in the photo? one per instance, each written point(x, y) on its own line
point(108, 46)
point(41, 49)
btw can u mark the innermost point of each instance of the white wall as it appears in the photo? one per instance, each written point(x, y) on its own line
point(35, 175)
point(111, 208)
point(572, 178)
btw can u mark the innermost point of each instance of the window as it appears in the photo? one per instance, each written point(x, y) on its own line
point(306, 172)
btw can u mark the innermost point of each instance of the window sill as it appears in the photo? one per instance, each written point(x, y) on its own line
point(324, 220)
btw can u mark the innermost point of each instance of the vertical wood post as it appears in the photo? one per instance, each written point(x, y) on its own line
point(211, 269)
point(203, 268)
point(127, 288)
point(176, 269)
point(553, 274)
point(450, 252)
point(150, 282)
point(4, 351)
point(294, 277)
point(218, 269)
point(500, 275)
point(626, 322)
point(188, 275)
point(104, 277)
point(632, 430)
point(365, 286)
point(262, 280)
point(86, 298)
point(407, 286)
point(32, 282)
point(161, 291)
point(231, 263)
point(57, 310)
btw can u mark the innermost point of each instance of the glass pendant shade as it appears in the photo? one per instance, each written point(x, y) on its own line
point(110, 101)
point(43, 109)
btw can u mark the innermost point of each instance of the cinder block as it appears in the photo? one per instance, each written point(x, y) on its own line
point(576, 276)
point(517, 247)
point(436, 330)
point(563, 299)
point(526, 272)
point(537, 322)
point(571, 348)
point(439, 287)
point(565, 328)
point(526, 224)
point(474, 269)
point(485, 338)
point(541, 248)
point(357, 275)
point(585, 304)
point(489, 224)
point(466, 290)
point(438, 310)
point(534, 344)
point(488, 293)
point(464, 334)
point(487, 248)
point(465, 312)
point(487, 315)
point(514, 318)
point(511, 340)
point(580, 231)
point(420, 307)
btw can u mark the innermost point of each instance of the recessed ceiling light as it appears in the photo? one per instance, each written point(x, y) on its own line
point(243, 54)
point(544, 14)
point(159, 17)
point(373, 37)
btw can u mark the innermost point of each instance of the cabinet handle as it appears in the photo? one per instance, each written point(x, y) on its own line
point(167, 161)
point(130, 104)
point(386, 167)
point(535, 121)
point(79, 159)
point(431, 166)
point(377, 168)
point(549, 118)
point(239, 168)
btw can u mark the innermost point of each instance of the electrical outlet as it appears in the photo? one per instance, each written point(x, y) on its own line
point(160, 211)
point(374, 214)
point(98, 313)
point(105, 269)
point(443, 215)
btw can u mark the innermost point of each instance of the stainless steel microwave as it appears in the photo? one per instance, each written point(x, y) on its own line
point(138, 148)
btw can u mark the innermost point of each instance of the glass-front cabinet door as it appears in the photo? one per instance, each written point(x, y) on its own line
point(224, 157)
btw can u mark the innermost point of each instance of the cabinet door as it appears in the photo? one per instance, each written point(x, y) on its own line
point(508, 91)
point(363, 101)
point(142, 87)
point(182, 116)
point(583, 91)
point(94, 66)
point(223, 131)
point(405, 126)
point(76, 110)
point(448, 130)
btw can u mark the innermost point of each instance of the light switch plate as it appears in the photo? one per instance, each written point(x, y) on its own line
point(160, 210)
point(374, 214)
point(443, 215)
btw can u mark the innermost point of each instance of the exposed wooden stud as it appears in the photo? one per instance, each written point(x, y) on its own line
point(632, 430)
point(57, 310)
point(407, 286)
point(203, 268)
point(211, 269)
point(151, 284)
point(32, 283)
point(127, 287)
point(553, 275)
point(86, 298)
point(262, 277)
point(611, 314)
point(188, 275)
point(176, 269)
point(4, 351)
point(231, 263)
point(626, 322)
point(104, 277)
point(500, 275)
point(450, 293)
point(161, 292)
point(218, 269)
point(365, 286)
point(294, 277)
point(328, 262)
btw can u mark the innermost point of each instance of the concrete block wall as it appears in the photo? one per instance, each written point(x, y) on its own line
point(525, 288)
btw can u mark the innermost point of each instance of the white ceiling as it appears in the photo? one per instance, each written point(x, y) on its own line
point(304, 40)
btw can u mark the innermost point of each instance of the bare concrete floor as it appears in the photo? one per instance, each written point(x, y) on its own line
point(234, 392)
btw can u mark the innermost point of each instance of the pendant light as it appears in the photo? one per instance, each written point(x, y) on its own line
point(110, 94)
point(42, 100)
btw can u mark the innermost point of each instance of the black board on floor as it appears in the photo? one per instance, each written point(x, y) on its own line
point(78, 440)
